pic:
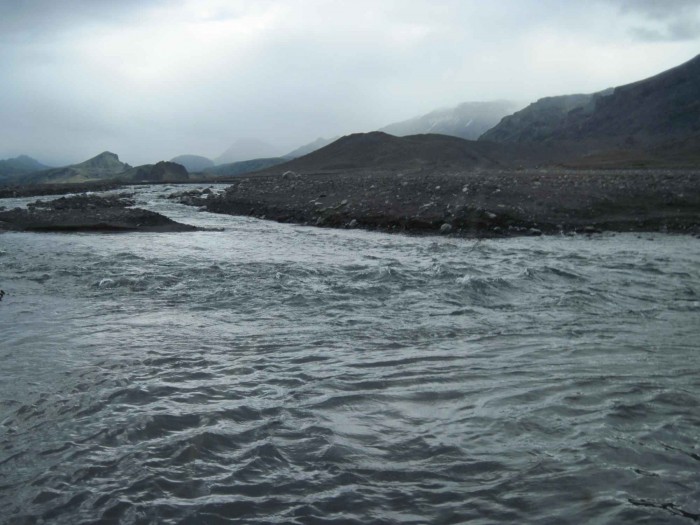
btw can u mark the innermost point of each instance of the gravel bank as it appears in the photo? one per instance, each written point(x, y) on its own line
point(475, 203)
point(88, 213)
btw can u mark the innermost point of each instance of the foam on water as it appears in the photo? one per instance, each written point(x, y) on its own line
point(280, 374)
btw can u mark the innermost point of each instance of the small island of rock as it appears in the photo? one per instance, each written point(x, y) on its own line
point(88, 213)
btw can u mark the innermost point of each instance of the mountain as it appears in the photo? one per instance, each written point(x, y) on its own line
point(657, 115)
point(539, 119)
point(10, 168)
point(310, 147)
point(244, 166)
point(106, 165)
point(380, 151)
point(159, 172)
point(468, 120)
point(193, 163)
point(246, 149)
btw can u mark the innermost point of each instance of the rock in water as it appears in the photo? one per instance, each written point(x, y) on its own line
point(88, 213)
point(445, 228)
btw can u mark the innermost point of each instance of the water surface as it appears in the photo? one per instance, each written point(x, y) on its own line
point(274, 373)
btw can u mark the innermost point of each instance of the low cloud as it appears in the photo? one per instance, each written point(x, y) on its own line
point(663, 20)
point(151, 79)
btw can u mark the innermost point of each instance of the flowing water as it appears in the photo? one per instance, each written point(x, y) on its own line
point(272, 373)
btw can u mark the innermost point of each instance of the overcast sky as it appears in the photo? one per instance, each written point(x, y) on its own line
point(151, 79)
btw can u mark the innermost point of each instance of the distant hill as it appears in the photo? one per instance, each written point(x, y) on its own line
point(468, 120)
point(17, 166)
point(538, 120)
point(106, 165)
point(193, 163)
point(160, 172)
point(657, 115)
point(310, 147)
point(246, 149)
point(381, 151)
point(245, 166)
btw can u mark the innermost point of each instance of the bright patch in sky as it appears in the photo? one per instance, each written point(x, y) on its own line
point(151, 79)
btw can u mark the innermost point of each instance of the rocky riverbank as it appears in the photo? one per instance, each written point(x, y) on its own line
point(32, 190)
point(479, 203)
point(88, 213)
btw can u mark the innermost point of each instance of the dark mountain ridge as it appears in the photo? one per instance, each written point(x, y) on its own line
point(658, 111)
point(654, 122)
point(536, 121)
point(380, 150)
point(159, 172)
point(383, 152)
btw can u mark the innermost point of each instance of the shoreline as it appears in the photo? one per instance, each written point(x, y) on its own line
point(473, 204)
point(494, 203)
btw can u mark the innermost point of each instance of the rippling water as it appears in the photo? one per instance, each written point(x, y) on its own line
point(274, 373)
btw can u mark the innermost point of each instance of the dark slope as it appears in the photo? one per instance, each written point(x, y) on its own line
point(379, 150)
point(159, 172)
point(468, 120)
point(660, 111)
point(538, 120)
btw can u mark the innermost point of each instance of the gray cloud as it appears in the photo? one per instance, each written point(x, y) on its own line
point(664, 20)
point(677, 31)
point(24, 19)
point(151, 79)
point(659, 8)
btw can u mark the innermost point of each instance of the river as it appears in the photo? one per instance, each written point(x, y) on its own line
point(275, 373)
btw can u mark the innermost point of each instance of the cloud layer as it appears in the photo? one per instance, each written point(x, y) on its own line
point(151, 79)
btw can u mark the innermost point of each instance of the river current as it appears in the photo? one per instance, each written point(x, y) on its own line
point(273, 373)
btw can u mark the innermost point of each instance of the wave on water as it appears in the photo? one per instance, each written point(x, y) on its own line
point(273, 373)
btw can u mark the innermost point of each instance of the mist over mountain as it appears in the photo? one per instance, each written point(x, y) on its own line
point(18, 166)
point(104, 166)
point(537, 120)
point(193, 163)
point(663, 110)
point(468, 120)
point(243, 166)
point(247, 149)
point(308, 148)
point(651, 122)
